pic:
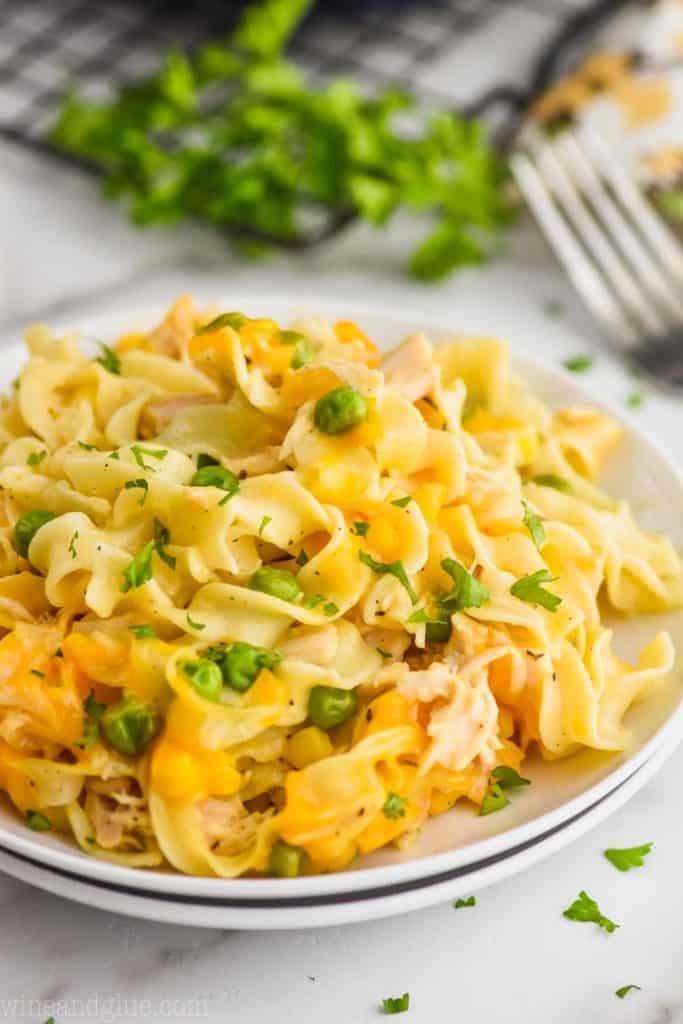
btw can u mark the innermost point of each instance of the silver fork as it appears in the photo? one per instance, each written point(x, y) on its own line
point(624, 261)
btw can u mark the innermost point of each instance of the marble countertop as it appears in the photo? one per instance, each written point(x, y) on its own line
point(64, 253)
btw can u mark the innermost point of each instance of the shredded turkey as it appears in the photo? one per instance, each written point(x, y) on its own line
point(409, 370)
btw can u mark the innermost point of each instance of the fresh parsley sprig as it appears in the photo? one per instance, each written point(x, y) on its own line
point(585, 909)
point(632, 857)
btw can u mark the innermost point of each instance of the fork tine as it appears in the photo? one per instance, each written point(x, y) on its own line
point(663, 241)
point(629, 240)
point(585, 278)
point(591, 233)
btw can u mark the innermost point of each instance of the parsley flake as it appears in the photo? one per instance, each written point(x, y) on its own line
point(109, 359)
point(161, 539)
point(383, 654)
point(312, 600)
point(622, 992)
point(88, 447)
point(37, 672)
point(552, 480)
point(35, 458)
point(394, 807)
point(143, 632)
point(467, 591)
point(262, 525)
point(529, 589)
point(360, 529)
point(471, 901)
point(331, 609)
point(624, 860)
point(585, 909)
point(142, 484)
point(396, 569)
point(508, 778)
point(402, 502)
point(494, 800)
point(302, 558)
point(534, 526)
point(93, 708)
point(139, 569)
point(72, 545)
point(635, 399)
point(195, 625)
point(153, 453)
point(396, 1004)
point(37, 822)
point(234, 320)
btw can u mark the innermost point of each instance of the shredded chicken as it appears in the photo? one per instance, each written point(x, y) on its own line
point(228, 827)
point(409, 370)
point(118, 813)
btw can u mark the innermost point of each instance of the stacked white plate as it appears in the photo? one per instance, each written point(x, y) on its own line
point(458, 852)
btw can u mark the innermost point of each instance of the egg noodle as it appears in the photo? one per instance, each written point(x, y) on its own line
point(269, 601)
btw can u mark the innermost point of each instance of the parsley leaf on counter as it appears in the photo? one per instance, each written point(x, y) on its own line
point(585, 909)
point(396, 1004)
point(622, 992)
point(235, 137)
point(471, 901)
point(529, 589)
point(624, 860)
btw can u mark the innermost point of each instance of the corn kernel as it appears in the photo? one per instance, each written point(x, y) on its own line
point(308, 745)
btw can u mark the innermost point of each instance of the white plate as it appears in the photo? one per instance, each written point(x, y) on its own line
point(458, 850)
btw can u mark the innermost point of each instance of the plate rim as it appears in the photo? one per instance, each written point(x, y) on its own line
point(360, 879)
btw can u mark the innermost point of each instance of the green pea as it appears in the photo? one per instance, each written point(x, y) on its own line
point(205, 677)
point(128, 726)
point(27, 527)
point(216, 476)
point(240, 663)
point(340, 410)
point(438, 632)
point(285, 861)
point(279, 583)
point(329, 706)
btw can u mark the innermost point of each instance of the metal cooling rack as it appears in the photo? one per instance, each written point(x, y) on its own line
point(47, 45)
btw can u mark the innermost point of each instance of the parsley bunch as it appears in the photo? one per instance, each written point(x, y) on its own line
point(233, 136)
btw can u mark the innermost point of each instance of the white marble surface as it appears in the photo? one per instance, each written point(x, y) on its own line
point(512, 958)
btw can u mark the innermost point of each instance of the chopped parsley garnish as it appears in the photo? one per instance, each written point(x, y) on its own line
point(301, 558)
point(471, 901)
point(635, 399)
point(93, 711)
point(195, 625)
point(262, 525)
point(467, 591)
point(585, 909)
point(622, 992)
point(438, 629)
point(204, 460)
point(142, 484)
point(402, 502)
point(494, 800)
point(72, 545)
point(578, 364)
point(139, 569)
point(161, 539)
point(234, 320)
point(529, 589)
point(37, 822)
point(153, 453)
point(508, 778)
point(396, 569)
point(383, 654)
point(143, 632)
point(109, 359)
point(534, 526)
point(633, 857)
point(552, 480)
point(396, 1004)
point(331, 609)
point(361, 529)
point(312, 600)
point(88, 447)
point(291, 337)
point(37, 672)
point(35, 458)
point(394, 807)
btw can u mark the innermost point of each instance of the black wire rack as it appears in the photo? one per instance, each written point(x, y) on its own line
point(48, 45)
